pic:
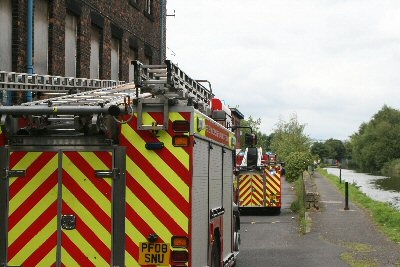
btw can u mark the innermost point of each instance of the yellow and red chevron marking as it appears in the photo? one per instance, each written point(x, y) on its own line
point(32, 218)
point(273, 186)
point(33, 209)
point(244, 190)
point(158, 185)
point(251, 192)
point(89, 199)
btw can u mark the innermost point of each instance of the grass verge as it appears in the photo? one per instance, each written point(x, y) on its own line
point(298, 205)
point(385, 216)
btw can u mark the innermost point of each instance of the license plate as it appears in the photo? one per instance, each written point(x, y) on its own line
point(153, 253)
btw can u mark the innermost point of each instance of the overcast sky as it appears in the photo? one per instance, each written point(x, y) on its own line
point(333, 63)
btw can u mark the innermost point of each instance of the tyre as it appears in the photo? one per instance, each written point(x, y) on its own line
point(236, 241)
point(215, 254)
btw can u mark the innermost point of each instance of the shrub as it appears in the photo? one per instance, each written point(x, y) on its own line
point(296, 163)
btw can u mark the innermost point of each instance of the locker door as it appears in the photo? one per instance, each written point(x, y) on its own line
point(86, 217)
point(32, 208)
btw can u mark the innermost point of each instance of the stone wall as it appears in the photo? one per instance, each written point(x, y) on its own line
point(311, 197)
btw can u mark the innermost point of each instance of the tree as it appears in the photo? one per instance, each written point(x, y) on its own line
point(292, 146)
point(377, 141)
point(289, 137)
point(319, 149)
point(349, 149)
point(296, 163)
point(336, 149)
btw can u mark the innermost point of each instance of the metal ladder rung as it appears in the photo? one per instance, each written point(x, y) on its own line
point(15, 80)
point(60, 101)
point(153, 70)
point(103, 95)
point(154, 81)
point(154, 66)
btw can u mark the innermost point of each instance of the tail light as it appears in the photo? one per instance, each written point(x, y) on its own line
point(180, 140)
point(180, 256)
point(181, 126)
point(180, 242)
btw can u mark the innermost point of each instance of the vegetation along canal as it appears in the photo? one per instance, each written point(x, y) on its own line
point(380, 188)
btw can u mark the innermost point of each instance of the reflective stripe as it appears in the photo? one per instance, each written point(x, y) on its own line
point(273, 189)
point(68, 259)
point(35, 244)
point(89, 199)
point(159, 196)
point(251, 190)
point(158, 185)
point(158, 162)
point(32, 218)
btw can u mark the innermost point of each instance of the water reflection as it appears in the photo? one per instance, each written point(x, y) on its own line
point(376, 187)
point(389, 184)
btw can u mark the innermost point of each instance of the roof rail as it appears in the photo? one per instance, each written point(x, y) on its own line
point(171, 81)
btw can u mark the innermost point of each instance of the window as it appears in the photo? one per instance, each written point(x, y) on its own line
point(6, 40)
point(148, 60)
point(71, 31)
point(133, 55)
point(95, 41)
point(41, 37)
point(148, 54)
point(5, 45)
point(148, 7)
point(134, 3)
point(115, 54)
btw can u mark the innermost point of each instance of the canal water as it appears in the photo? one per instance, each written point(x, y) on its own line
point(380, 188)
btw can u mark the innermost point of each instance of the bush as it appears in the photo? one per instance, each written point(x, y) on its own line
point(296, 163)
point(391, 168)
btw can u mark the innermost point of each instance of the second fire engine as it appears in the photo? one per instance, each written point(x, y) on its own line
point(258, 179)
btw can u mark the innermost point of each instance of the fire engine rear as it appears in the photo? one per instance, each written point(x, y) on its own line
point(136, 174)
point(258, 179)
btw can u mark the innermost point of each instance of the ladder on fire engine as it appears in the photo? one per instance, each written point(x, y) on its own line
point(167, 80)
point(98, 97)
point(158, 78)
point(174, 85)
point(154, 85)
point(71, 113)
point(15, 81)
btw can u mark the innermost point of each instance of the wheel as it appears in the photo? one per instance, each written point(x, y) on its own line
point(215, 254)
point(236, 241)
point(236, 223)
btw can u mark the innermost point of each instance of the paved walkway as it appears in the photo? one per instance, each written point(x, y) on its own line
point(276, 241)
point(353, 230)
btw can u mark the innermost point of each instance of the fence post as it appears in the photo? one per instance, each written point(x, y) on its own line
point(346, 190)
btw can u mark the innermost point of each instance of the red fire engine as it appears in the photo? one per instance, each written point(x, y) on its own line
point(136, 174)
point(258, 180)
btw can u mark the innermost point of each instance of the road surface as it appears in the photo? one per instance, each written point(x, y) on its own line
point(276, 240)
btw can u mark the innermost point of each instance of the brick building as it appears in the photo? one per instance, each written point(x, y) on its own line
point(237, 116)
point(83, 38)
